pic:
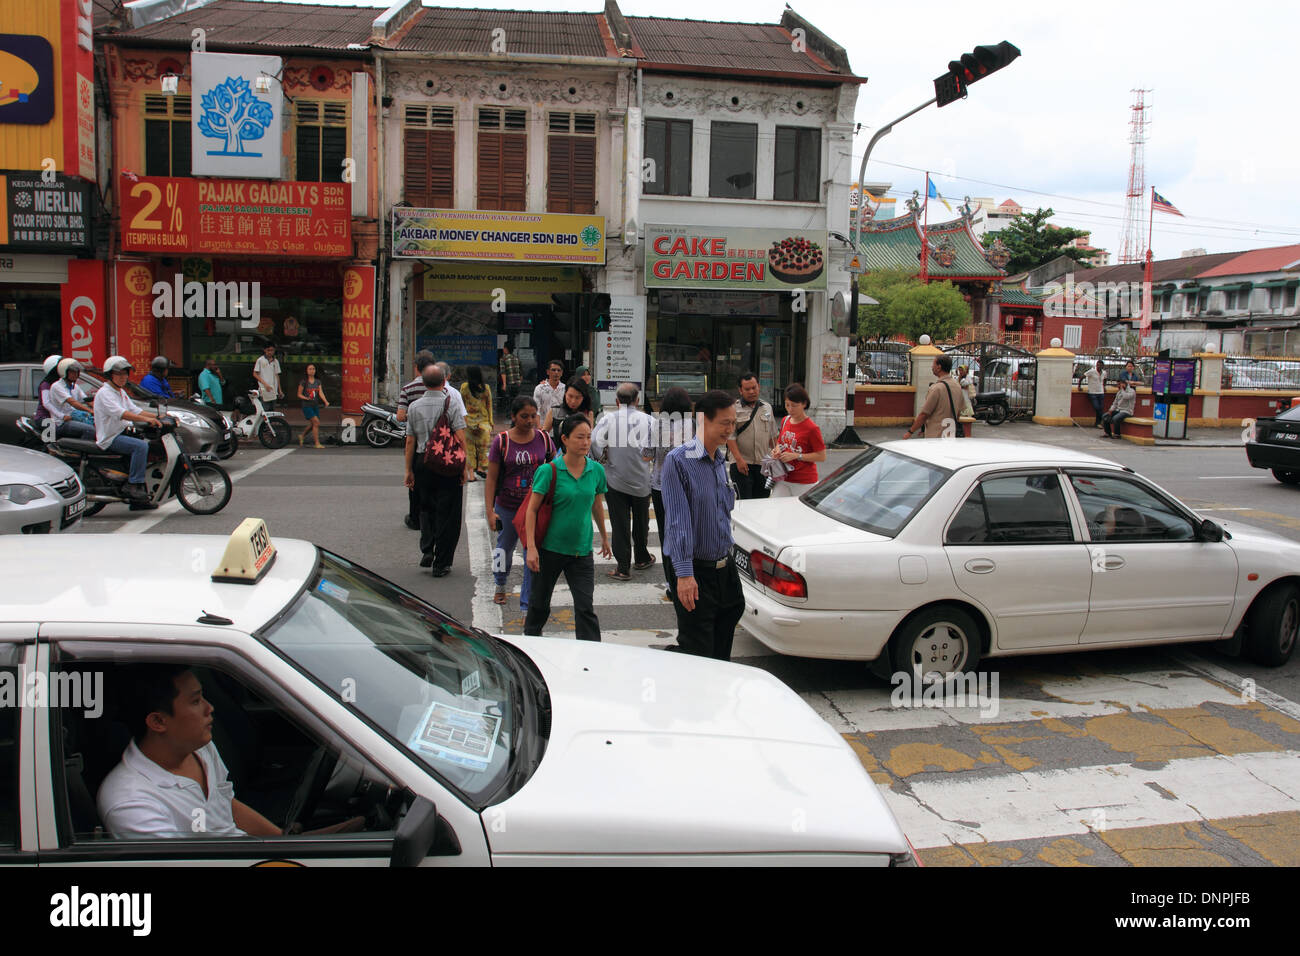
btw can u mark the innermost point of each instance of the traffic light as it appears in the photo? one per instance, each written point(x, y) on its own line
point(970, 68)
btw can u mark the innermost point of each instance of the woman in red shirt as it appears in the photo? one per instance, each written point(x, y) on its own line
point(799, 444)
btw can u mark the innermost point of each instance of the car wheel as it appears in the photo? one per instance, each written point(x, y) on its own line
point(227, 449)
point(1273, 621)
point(1287, 477)
point(943, 640)
point(375, 435)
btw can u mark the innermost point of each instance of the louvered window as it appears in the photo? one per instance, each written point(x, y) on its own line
point(166, 135)
point(429, 156)
point(321, 140)
point(502, 158)
point(571, 162)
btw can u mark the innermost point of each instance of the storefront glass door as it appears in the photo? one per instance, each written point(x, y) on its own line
point(733, 352)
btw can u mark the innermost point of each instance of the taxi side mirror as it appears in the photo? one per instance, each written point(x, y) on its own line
point(1209, 531)
point(415, 833)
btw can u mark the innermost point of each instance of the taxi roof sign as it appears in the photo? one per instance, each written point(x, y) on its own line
point(249, 554)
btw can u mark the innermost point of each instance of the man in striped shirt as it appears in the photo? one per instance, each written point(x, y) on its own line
point(413, 391)
point(698, 499)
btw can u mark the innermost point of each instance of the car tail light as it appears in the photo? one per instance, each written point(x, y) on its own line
point(782, 579)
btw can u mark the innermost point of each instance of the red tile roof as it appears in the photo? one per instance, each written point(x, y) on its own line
point(527, 32)
point(254, 23)
point(1272, 259)
point(1162, 270)
point(740, 48)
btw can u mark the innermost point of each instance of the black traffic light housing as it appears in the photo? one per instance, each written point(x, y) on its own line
point(970, 68)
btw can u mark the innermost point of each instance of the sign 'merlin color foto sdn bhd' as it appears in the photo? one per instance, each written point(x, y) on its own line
point(726, 257)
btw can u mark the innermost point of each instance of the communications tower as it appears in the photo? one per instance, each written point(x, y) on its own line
point(1131, 248)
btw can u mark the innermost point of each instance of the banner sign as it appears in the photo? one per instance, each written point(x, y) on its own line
point(234, 129)
point(85, 319)
point(479, 282)
point(462, 349)
point(498, 236)
point(137, 329)
point(704, 257)
point(358, 337)
point(620, 349)
point(235, 217)
point(40, 215)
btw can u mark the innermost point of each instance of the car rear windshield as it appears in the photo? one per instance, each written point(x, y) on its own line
point(1290, 415)
point(878, 491)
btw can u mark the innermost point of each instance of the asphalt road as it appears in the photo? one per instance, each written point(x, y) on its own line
point(1174, 756)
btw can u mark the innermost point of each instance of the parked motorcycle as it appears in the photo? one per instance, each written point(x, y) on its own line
point(992, 407)
point(380, 426)
point(201, 485)
point(271, 428)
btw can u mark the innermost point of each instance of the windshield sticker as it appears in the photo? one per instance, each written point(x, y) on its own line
point(471, 683)
point(463, 737)
point(332, 590)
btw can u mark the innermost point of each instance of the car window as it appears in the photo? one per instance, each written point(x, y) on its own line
point(1120, 509)
point(877, 491)
point(10, 657)
point(1014, 509)
point(10, 382)
point(273, 765)
point(1290, 415)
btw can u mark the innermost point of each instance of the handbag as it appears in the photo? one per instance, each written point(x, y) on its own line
point(960, 429)
point(543, 512)
point(444, 452)
point(772, 467)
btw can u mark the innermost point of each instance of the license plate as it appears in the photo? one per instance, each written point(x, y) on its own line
point(72, 510)
point(203, 456)
point(1288, 436)
point(742, 561)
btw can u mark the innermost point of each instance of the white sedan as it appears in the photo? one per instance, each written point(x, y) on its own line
point(362, 726)
point(928, 555)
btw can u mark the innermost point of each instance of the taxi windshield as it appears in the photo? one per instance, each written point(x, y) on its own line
point(452, 697)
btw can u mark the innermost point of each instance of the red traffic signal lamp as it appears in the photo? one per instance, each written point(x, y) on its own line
point(970, 68)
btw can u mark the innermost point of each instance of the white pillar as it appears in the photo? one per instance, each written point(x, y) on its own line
point(1054, 386)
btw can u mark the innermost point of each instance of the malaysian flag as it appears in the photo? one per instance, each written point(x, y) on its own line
point(1161, 204)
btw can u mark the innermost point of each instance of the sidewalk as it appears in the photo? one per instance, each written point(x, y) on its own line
point(1068, 437)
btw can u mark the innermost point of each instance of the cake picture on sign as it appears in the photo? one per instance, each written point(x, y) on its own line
point(795, 260)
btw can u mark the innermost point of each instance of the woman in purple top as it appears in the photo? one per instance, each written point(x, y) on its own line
point(512, 458)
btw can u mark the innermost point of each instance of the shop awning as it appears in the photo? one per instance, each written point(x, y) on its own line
point(1277, 283)
point(1191, 290)
point(1234, 287)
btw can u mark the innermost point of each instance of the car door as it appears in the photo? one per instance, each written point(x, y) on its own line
point(1014, 548)
point(18, 834)
point(1153, 579)
point(80, 739)
point(15, 400)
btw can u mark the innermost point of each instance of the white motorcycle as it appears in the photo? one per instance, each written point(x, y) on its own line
point(271, 428)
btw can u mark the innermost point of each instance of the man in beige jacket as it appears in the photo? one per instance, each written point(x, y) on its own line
point(755, 435)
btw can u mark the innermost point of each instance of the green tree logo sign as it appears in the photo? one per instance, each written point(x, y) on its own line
point(233, 115)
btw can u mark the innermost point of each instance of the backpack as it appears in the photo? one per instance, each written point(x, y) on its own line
point(444, 452)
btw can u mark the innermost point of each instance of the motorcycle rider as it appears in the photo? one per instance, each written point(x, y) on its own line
point(50, 369)
point(113, 410)
point(156, 382)
point(66, 397)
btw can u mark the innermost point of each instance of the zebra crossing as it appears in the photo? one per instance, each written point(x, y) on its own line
point(1137, 757)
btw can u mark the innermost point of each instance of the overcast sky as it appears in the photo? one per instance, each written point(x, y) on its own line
point(1056, 121)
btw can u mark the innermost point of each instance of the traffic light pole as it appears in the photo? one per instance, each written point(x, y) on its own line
point(849, 437)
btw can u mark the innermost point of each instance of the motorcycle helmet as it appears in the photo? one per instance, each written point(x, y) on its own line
point(159, 365)
point(117, 363)
point(51, 361)
point(69, 365)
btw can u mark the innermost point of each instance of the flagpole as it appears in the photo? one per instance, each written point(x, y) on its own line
point(1147, 272)
point(925, 257)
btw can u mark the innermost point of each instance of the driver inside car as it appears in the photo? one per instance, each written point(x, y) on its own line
point(171, 781)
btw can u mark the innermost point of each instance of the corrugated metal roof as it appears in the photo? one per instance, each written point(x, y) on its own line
point(742, 47)
point(526, 32)
point(1162, 270)
point(1272, 259)
point(260, 24)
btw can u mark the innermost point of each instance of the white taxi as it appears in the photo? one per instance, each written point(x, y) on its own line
point(927, 555)
point(373, 729)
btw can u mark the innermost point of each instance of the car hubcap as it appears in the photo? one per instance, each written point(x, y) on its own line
point(941, 648)
point(1289, 624)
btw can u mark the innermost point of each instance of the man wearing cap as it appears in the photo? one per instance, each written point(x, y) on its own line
point(113, 410)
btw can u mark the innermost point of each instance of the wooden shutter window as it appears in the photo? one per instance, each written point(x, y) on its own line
point(571, 174)
point(502, 171)
point(429, 167)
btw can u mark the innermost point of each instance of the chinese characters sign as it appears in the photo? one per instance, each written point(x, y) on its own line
point(234, 128)
point(43, 216)
point(703, 257)
point(499, 236)
point(358, 336)
point(241, 217)
point(136, 326)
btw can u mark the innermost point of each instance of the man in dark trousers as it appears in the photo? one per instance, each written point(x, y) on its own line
point(698, 499)
point(412, 390)
point(442, 498)
point(756, 431)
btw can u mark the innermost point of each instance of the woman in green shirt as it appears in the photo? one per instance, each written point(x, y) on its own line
point(579, 497)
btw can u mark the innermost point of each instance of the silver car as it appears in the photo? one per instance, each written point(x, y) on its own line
point(38, 493)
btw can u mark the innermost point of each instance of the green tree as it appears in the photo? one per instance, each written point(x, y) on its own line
point(936, 309)
point(909, 307)
point(884, 286)
point(1031, 243)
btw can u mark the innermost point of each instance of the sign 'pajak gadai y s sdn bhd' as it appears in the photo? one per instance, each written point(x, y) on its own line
point(727, 257)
